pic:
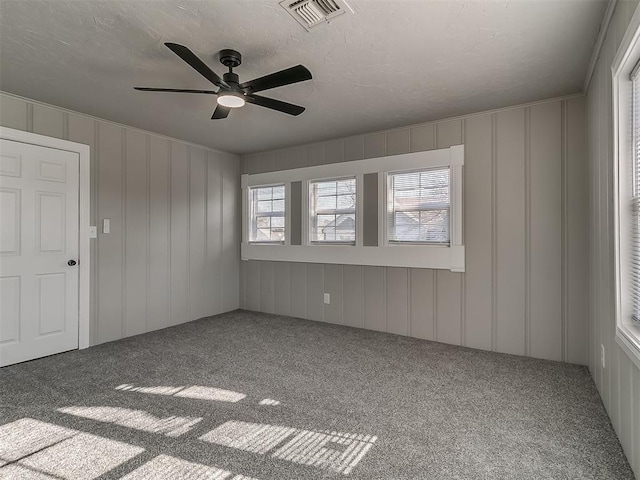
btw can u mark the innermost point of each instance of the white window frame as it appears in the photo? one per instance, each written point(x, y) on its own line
point(250, 215)
point(310, 215)
point(386, 200)
point(446, 257)
point(627, 57)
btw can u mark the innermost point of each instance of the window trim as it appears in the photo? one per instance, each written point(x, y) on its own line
point(249, 216)
point(385, 203)
point(310, 215)
point(451, 257)
point(627, 57)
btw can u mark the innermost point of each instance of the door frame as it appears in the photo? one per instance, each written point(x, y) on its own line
point(84, 209)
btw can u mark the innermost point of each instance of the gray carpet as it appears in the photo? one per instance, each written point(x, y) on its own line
point(248, 395)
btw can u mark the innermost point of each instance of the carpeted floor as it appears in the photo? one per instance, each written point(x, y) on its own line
point(247, 395)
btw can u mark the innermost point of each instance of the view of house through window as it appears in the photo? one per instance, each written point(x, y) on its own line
point(333, 210)
point(418, 206)
point(266, 212)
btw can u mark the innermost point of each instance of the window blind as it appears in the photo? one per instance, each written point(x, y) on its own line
point(418, 205)
point(267, 214)
point(635, 200)
point(333, 210)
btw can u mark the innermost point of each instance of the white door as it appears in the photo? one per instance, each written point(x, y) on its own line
point(39, 222)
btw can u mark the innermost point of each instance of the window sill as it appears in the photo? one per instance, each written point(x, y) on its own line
point(409, 256)
point(628, 338)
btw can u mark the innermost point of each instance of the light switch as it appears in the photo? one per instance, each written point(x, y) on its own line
point(327, 298)
point(106, 225)
point(93, 232)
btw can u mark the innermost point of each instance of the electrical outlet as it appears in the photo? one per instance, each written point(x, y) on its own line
point(327, 298)
point(602, 355)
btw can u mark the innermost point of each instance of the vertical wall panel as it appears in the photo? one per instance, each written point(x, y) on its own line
point(136, 204)
point(423, 138)
point(48, 121)
point(334, 152)
point(448, 133)
point(215, 231)
point(353, 295)
point(577, 232)
point(158, 315)
point(198, 280)
point(449, 285)
point(179, 233)
point(477, 231)
point(510, 232)
point(315, 154)
point(243, 284)
point(398, 141)
point(397, 286)
point(353, 148)
point(545, 231)
point(315, 291)
point(231, 233)
point(13, 112)
point(282, 285)
point(374, 145)
point(422, 315)
point(370, 210)
point(296, 213)
point(253, 285)
point(110, 246)
point(298, 157)
point(267, 296)
point(333, 285)
point(375, 295)
point(282, 160)
point(299, 290)
point(449, 307)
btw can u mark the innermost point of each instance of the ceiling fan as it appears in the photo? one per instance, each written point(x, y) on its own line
point(231, 93)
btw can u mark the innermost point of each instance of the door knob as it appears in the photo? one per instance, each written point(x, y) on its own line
point(71, 263)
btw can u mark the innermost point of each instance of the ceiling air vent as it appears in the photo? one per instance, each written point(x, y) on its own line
point(311, 13)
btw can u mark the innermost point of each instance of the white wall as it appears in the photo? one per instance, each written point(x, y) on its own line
point(173, 252)
point(619, 382)
point(526, 223)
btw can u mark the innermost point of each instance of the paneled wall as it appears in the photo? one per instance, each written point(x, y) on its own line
point(619, 381)
point(173, 252)
point(525, 287)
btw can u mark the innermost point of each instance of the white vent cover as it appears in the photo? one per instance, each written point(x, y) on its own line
point(311, 13)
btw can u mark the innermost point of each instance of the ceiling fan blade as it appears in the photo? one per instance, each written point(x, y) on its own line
point(220, 112)
point(188, 56)
point(273, 104)
point(175, 90)
point(284, 77)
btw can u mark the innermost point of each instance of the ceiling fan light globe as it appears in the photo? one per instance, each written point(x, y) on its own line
point(231, 101)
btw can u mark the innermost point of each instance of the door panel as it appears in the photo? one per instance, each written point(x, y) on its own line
point(39, 222)
point(50, 222)
point(10, 215)
point(51, 303)
point(9, 309)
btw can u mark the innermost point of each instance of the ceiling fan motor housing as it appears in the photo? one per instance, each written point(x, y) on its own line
point(230, 58)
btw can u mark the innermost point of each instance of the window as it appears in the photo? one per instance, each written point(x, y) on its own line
point(333, 211)
point(626, 182)
point(266, 212)
point(633, 200)
point(402, 210)
point(418, 205)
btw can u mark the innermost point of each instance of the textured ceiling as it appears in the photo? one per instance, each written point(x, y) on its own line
point(393, 63)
